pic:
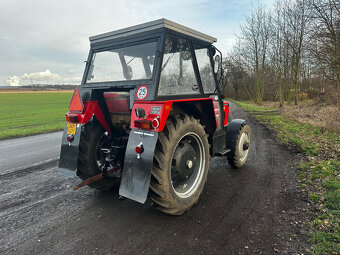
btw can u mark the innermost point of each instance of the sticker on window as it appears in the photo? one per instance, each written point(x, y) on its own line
point(142, 92)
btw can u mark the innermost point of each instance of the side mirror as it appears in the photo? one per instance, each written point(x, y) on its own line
point(217, 63)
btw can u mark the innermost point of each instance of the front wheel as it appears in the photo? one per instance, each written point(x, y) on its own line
point(181, 164)
point(239, 153)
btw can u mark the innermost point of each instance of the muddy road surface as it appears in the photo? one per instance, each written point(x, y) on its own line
point(253, 210)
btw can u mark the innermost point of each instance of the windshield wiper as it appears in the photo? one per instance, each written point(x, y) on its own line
point(167, 61)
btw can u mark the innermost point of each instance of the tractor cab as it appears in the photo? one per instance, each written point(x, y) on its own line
point(149, 115)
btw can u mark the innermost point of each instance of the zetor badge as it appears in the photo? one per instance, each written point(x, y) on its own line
point(142, 92)
point(155, 144)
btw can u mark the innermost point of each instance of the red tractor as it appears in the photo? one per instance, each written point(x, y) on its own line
point(149, 115)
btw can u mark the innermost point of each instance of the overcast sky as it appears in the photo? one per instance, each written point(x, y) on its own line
point(45, 41)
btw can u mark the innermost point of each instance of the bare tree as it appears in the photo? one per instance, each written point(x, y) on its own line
point(278, 28)
point(326, 15)
point(293, 49)
point(254, 39)
point(296, 19)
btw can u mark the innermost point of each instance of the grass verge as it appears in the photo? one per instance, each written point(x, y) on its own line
point(318, 173)
point(28, 113)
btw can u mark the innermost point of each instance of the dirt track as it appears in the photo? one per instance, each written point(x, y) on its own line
point(254, 210)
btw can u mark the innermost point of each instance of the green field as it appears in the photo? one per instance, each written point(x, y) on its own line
point(30, 113)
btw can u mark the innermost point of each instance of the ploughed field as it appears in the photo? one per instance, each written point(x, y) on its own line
point(26, 113)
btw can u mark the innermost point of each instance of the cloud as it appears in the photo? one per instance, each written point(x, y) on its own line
point(44, 77)
point(13, 81)
point(40, 76)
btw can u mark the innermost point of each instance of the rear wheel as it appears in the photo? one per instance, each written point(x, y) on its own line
point(90, 160)
point(181, 164)
point(239, 153)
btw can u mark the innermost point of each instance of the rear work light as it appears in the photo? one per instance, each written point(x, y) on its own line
point(143, 124)
point(76, 104)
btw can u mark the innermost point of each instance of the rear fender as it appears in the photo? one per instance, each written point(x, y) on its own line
point(136, 173)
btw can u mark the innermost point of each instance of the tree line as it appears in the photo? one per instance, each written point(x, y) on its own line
point(286, 53)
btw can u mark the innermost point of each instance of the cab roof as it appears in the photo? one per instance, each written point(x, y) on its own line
point(149, 27)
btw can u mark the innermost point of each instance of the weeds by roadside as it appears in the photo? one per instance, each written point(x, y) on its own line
point(319, 173)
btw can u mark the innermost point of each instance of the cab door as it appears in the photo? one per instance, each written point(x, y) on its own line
point(208, 81)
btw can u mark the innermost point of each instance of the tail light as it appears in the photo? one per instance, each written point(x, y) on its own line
point(71, 118)
point(143, 124)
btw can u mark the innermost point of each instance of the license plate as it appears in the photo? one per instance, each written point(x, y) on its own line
point(71, 128)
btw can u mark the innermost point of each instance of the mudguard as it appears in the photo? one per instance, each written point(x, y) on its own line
point(136, 174)
point(69, 153)
point(232, 131)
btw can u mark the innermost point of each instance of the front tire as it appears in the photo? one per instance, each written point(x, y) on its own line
point(239, 153)
point(181, 165)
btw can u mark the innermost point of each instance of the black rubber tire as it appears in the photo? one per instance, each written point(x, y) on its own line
point(233, 156)
point(162, 190)
point(87, 165)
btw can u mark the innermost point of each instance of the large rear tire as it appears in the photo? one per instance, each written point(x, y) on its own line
point(181, 165)
point(92, 135)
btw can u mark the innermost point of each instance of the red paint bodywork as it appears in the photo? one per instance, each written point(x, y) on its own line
point(92, 108)
point(226, 112)
point(165, 107)
point(217, 114)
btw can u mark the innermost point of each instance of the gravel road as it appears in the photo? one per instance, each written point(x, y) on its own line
point(253, 210)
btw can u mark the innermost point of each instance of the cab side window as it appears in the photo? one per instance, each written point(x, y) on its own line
point(205, 69)
point(177, 73)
